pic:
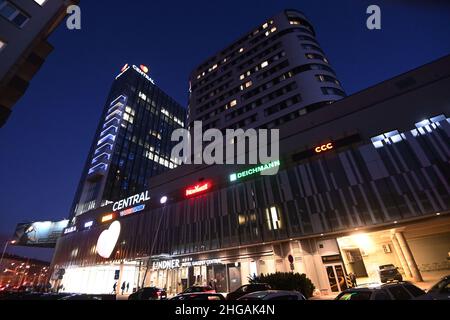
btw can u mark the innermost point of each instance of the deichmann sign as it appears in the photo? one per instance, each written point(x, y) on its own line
point(131, 201)
point(237, 176)
point(175, 263)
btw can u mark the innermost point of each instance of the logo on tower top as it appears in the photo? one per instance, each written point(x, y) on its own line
point(144, 68)
point(124, 68)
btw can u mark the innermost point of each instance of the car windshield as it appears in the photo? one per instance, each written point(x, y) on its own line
point(355, 295)
point(387, 267)
point(444, 286)
point(255, 296)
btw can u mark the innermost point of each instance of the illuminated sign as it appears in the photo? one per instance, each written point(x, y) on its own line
point(197, 189)
point(39, 234)
point(144, 68)
point(253, 171)
point(108, 217)
point(132, 210)
point(88, 224)
point(323, 148)
point(70, 230)
point(124, 68)
point(142, 73)
point(108, 239)
point(131, 201)
point(176, 263)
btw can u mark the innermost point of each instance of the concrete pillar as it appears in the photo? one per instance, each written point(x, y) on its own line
point(408, 256)
point(400, 256)
point(119, 283)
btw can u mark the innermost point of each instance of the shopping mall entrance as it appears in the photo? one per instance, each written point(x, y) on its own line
point(420, 251)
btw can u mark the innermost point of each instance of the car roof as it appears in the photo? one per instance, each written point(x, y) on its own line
point(378, 286)
point(270, 292)
point(199, 293)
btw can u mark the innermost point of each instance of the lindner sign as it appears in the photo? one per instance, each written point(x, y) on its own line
point(131, 201)
point(176, 263)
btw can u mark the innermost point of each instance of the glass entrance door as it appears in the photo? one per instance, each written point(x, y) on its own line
point(337, 277)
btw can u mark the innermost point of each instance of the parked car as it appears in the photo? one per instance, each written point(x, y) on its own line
point(199, 296)
point(389, 272)
point(205, 289)
point(88, 297)
point(388, 291)
point(150, 293)
point(248, 288)
point(273, 295)
point(440, 291)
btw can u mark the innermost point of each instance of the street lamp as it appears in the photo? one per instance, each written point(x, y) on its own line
point(163, 202)
point(5, 247)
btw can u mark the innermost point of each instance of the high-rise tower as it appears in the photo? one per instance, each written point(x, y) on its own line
point(132, 142)
point(272, 75)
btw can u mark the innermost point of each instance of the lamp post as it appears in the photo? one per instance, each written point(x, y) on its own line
point(4, 249)
point(163, 202)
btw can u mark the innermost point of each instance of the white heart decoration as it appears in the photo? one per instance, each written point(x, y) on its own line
point(108, 240)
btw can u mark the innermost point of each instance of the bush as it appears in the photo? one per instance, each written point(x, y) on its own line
point(287, 281)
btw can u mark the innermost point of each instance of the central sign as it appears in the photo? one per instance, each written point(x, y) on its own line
point(131, 201)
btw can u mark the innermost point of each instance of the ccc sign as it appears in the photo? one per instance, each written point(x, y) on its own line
point(324, 148)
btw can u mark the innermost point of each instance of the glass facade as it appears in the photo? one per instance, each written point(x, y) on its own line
point(132, 142)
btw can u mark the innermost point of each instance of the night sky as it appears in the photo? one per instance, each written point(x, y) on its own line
point(45, 143)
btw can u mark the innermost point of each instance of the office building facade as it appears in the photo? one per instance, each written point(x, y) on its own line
point(274, 74)
point(362, 183)
point(24, 29)
point(132, 143)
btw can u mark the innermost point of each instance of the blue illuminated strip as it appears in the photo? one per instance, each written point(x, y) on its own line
point(105, 144)
point(132, 210)
point(104, 166)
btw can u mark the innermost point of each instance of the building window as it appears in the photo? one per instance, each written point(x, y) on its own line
point(13, 14)
point(264, 64)
point(273, 218)
point(2, 45)
point(325, 78)
point(333, 91)
point(233, 103)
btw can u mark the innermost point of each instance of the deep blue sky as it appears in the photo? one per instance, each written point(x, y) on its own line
point(44, 145)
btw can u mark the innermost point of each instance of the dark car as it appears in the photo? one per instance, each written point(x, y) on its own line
point(199, 296)
point(273, 295)
point(389, 272)
point(88, 297)
point(248, 288)
point(440, 291)
point(151, 293)
point(388, 291)
point(194, 289)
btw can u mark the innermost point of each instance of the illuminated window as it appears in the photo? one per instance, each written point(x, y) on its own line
point(40, 2)
point(233, 103)
point(249, 84)
point(2, 45)
point(265, 25)
point(142, 96)
point(264, 64)
point(273, 218)
point(242, 77)
point(241, 50)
